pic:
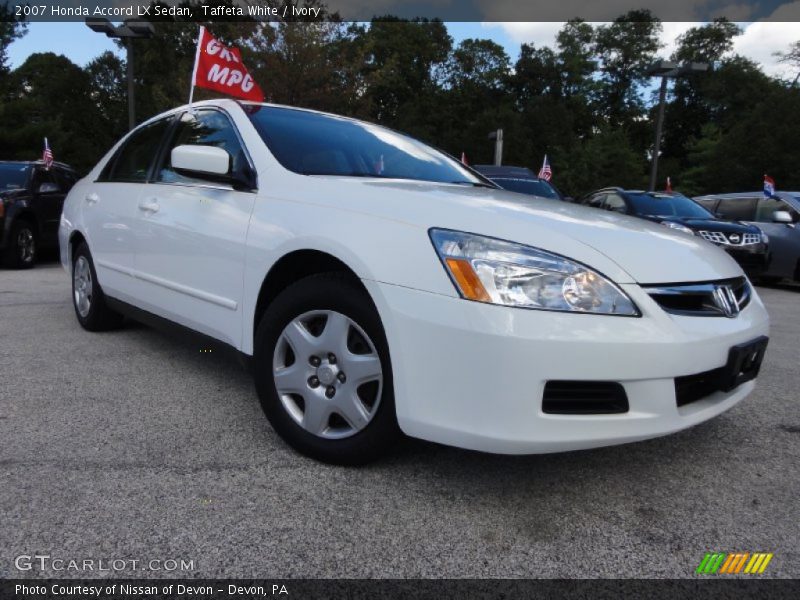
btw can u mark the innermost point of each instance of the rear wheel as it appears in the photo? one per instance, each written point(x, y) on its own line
point(22, 248)
point(87, 296)
point(323, 373)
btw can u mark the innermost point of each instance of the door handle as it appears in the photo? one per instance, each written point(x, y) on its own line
point(150, 206)
point(92, 198)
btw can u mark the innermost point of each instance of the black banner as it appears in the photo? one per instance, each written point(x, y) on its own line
point(365, 10)
point(406, 589)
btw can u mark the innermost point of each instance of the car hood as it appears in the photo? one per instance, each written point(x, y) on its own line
point(626, 249)
point(710, 224)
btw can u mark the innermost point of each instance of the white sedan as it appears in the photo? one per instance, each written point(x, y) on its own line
point(378, 287)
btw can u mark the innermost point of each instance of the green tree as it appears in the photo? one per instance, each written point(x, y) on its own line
point(51, 98)
point(11, 28)
point(625, 48)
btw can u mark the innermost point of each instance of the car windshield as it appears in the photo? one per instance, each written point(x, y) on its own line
point(533, 187)
point(13, 176)
point(317, 144)
point(666, 205)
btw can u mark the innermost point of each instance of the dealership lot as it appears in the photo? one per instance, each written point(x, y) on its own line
point(136, 445)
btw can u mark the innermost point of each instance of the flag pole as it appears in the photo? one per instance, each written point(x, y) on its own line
point(196, 61)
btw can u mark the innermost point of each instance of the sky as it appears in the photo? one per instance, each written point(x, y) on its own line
point(758, 42)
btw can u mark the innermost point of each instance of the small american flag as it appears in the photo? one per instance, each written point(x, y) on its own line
point(545, 172)
point(464, 158)
point(47, 155)
point(669, 185)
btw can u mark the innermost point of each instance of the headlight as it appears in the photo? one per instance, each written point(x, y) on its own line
point(677, 226)
point(490, 270)
point(764, 238)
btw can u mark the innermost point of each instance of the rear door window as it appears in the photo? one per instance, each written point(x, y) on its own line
point(737, 209)
point(132, 162)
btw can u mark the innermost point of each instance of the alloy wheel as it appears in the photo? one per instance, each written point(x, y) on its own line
point(26, 245)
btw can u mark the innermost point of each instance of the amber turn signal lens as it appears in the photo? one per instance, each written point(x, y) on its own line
point(467, 280)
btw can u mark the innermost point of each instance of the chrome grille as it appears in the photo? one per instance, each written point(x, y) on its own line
point(717, 237)
point(724, 298)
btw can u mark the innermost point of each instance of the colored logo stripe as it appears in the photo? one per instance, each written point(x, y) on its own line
point(734, 563)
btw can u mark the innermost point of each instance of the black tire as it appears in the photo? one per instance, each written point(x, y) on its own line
point(326, 292)
point(99, 316)
point(22, 248)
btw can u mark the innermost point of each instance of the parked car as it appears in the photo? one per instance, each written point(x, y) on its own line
point(377, 286)
point(776, 216)
point(521, 180)
point(31, 197)
point(745, 243)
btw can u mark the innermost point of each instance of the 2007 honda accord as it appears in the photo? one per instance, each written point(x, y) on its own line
point(381, 287)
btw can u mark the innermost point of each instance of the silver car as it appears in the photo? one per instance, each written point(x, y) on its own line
point(777, 216)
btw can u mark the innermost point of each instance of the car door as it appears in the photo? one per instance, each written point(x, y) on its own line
point(47, 199)
point(784, 238)
point(191, 251)
point(110, 210)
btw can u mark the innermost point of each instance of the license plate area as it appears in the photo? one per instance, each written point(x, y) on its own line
point(744, 363)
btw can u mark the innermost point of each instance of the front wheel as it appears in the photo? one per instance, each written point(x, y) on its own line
point(323, 373)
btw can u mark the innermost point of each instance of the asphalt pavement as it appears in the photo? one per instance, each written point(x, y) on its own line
point(138, 446)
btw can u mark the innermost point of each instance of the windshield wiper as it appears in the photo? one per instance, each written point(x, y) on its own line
point(476, 184)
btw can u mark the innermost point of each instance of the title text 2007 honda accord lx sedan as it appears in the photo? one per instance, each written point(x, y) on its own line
point(381, 287)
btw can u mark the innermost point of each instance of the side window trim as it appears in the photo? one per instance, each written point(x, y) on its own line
point(164, 148)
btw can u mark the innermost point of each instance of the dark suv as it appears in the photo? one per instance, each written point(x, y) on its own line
point(778, 216)
point(747, 244)
point(521, 180)
point(31, 198)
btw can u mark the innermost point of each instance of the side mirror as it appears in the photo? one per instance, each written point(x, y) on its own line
point(781, 216)
point(48, 188)
point(201, 160)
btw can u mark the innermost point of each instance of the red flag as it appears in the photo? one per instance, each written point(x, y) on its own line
point(219, 68)
point(464, 159)
point(669, 186)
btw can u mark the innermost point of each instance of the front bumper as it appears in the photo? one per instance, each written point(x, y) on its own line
point(472, 375)
point(753, 259)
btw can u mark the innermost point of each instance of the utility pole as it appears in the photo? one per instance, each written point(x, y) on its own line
point(666, 69)
point(127, 32)
point(497, 136)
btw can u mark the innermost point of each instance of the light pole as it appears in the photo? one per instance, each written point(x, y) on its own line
point(127, 32)
point(666, 69)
